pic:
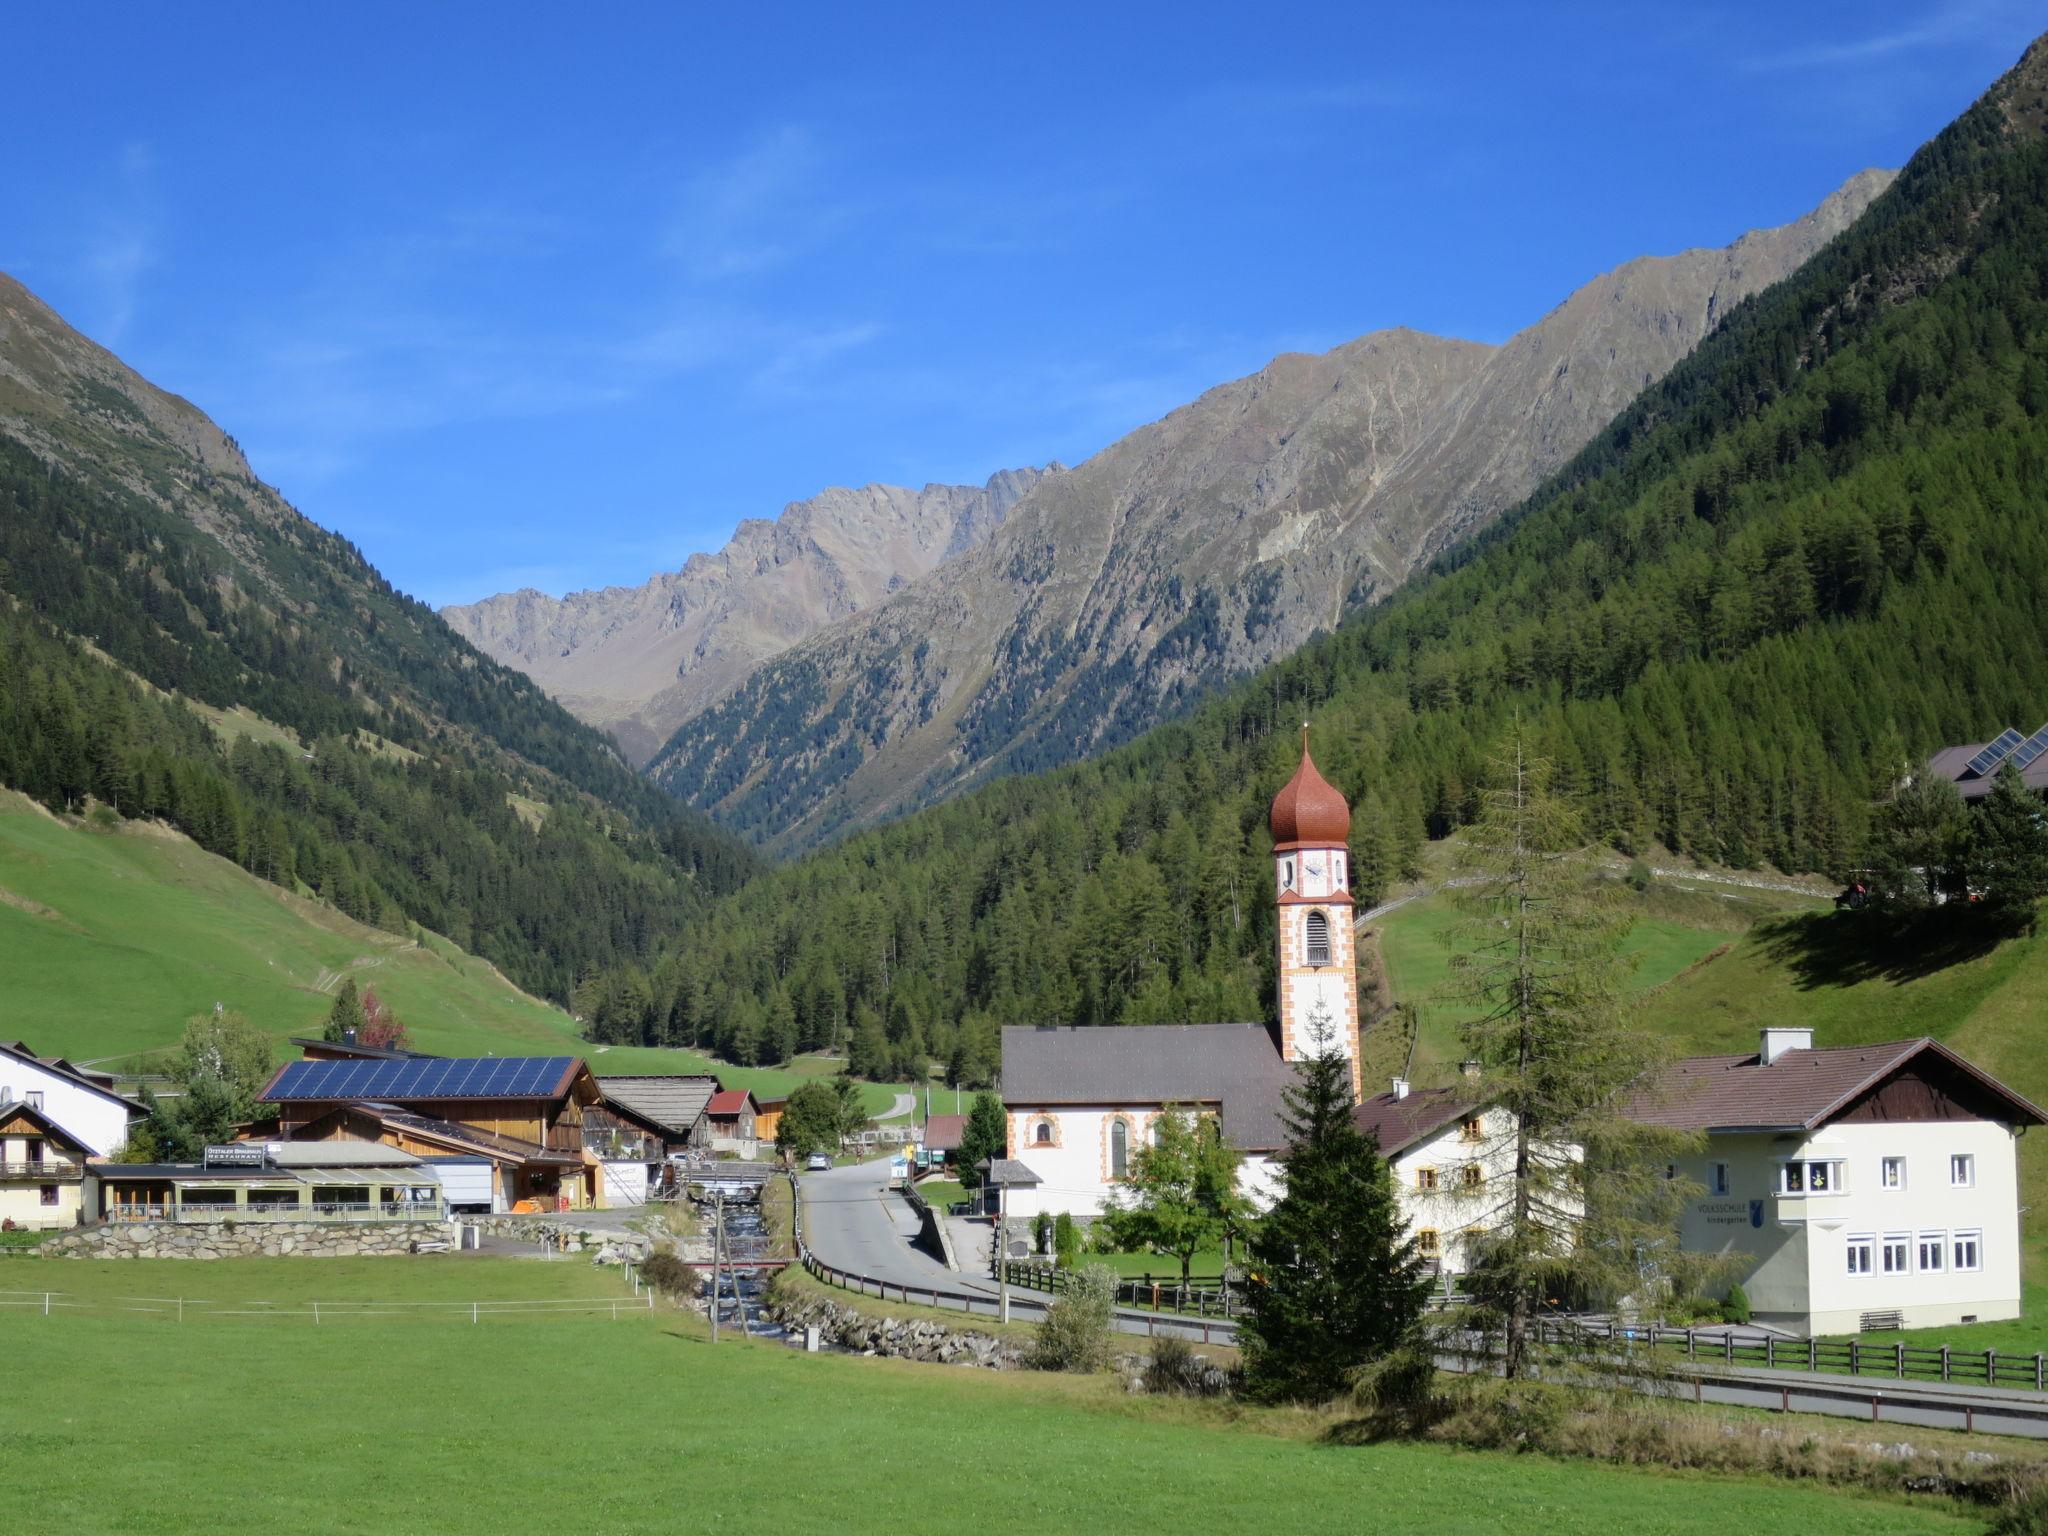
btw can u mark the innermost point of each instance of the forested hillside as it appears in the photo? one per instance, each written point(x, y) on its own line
point(1816, 550)
point(396, 771)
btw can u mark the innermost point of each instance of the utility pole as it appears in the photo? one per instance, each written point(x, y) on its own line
point(1003, 1249)
point(717, 1248)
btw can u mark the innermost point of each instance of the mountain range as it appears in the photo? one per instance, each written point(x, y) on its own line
point(808, 692)
point(639, 661)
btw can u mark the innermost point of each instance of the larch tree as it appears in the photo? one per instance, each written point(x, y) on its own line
point(1586, 1208)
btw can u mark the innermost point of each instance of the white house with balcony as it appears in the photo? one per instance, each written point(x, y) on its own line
point(83, 1103)
point(1867, 1186)
point(1451, 1156)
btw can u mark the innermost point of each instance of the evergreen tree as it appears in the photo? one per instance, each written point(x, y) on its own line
point(986, 1135)
point(346, 1018)
point(1335, 1280)
point(2009, 846)
point(1920, 842)
point(1585, 1210)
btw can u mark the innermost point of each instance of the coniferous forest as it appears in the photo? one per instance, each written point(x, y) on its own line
point(399, 807)
point(1808, 557)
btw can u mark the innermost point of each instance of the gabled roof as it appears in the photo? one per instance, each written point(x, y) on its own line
point(1234, 1066)
point(674, 1104)
point(22, 1110)
point(1803, 1089)
point(57, 1066)
point(1398, 1124)
point(942, 1133)
point(728, 1101)
point(455, 1077)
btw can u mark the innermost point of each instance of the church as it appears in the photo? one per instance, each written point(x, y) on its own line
point(1081, 1102)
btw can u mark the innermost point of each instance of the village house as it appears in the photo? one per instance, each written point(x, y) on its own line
point(1081, 1102)
point(730, 1122)
point(941, 1143)
point(1448, 1154)
point(668, 1107)
point(521, 1114)
point(338, 1181)
point(83, 1103)
point(1862, 1186)
point(42, 1170)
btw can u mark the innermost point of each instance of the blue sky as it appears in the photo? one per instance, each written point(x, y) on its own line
point(553, 296)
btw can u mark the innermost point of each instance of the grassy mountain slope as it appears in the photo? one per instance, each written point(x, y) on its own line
point(1813, 551)
point(400, 774)
point(110, 938)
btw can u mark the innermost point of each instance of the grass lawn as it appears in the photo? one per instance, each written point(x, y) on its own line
point(376, 1426)
point(1678, 924)
point(1160, 1266)
point(109, 941)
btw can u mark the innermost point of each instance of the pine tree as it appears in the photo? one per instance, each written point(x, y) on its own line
point(1336, 1282)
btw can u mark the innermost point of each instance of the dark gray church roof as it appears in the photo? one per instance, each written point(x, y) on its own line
point(1234, 1066)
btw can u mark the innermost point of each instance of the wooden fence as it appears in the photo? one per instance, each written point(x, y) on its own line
point(1852, 1357)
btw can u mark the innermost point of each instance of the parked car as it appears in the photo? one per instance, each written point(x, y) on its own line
point(817, 1161)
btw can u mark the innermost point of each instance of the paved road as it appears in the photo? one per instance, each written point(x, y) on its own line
point(905, 1103)
point(853, 1223)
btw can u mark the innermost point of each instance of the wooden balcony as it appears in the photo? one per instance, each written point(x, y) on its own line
point(41, 1173)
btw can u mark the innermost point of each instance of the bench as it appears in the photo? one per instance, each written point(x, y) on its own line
point(430, 1247)
point(1881, 1322)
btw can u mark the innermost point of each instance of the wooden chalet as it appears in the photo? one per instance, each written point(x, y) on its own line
point(525, 1115)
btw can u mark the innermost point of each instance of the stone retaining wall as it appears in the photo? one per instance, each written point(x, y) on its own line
point(844, 1326)
point(246, 1240)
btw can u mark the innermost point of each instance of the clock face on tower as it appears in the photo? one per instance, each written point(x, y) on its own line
point(1313, 867)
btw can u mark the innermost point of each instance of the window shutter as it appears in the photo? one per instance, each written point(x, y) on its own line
point(1318, 938)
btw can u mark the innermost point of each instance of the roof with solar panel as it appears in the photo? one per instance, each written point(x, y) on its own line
point(1974, 767)
point(410, 1081)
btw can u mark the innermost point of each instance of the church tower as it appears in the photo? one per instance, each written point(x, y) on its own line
point(1312, 878)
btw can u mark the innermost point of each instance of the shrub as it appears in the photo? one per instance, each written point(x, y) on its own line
point(2026, 1515)
point(1076, 1330)
point(1736, 1308)
point(1638, 876)
point(1399, 1392)
point(1176, 1370)
point(670, 1275)
point(1041, 1232)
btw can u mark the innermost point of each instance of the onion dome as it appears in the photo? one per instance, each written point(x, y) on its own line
point(1309, 809)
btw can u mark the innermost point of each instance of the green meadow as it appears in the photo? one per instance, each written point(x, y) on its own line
point(111, 938)
point(641, 1425)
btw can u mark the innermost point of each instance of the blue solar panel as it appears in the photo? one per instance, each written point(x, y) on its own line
point(2031, 748)
point(1994, 753)
point(460, 1077)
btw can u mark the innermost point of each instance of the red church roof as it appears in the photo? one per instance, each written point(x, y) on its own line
point(1308, 809)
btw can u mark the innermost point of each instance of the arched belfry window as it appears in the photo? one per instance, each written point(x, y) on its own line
point(1119, 1149)
point(1319, 938)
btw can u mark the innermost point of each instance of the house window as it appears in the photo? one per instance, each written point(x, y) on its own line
point(1428, 1243)
point(49, 1194)
point(1318, 938)
point(1425, 1179)
point(1892, 1173)
point(33, 1098)
point(1469, 1178)
point(1719, 1182)
point(1810, 1178)
point(1860, 1251)
point(1962, 1169)
point(1933, 1254)
point(1896, 1256)
point(1119, 1149)
point(35, 1152)
point(1968, 1250)
point(1471, 1128)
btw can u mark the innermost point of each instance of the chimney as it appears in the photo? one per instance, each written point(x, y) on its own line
point(1400, 1087)
point(1777, 1041)
point(1468, 1068)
